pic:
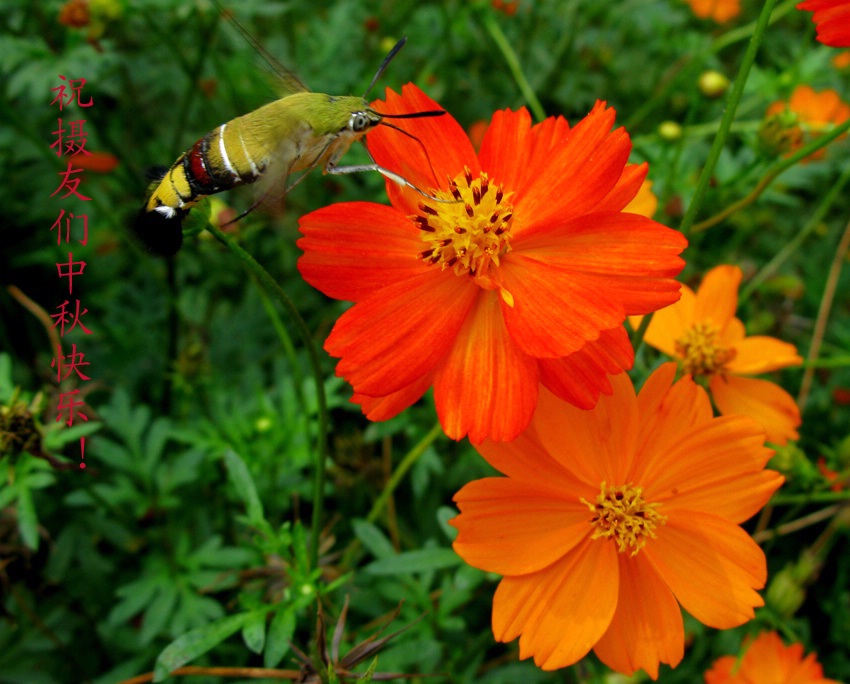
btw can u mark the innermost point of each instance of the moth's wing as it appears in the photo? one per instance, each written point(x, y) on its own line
point(286, 81)
point(290, 161)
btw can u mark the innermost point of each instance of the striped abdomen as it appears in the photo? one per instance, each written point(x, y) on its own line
point(297, 133)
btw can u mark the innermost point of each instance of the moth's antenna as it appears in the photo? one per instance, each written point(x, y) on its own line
point(410, 115)
point(421, 144)
point(398, 46)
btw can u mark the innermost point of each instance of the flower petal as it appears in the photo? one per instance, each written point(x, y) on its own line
point(516, 528)
point(438, 146)
point(391, 339)
point(506, 148)
point(595, 446)
point(760, 354)
point(669, 324)
point(562, 610)
point(717, 296)
point(389, 406)
point(555, 311)
point(576, 176)
point(711, 565)
point(668, 414)
point(582, 376)
point(766, 402)
point(634, 257)
point(524, 458)
point(354, 249)
point(486, 386)
point(647, 627)
point(626, 191)
point(714, 467)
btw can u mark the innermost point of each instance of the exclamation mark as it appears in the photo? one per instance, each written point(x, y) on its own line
point(83, 451)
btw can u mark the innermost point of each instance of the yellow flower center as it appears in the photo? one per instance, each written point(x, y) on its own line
point(621, 514)
point(700, 352)
point(470, 232)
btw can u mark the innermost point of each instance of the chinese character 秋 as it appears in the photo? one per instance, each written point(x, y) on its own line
point(64, 316)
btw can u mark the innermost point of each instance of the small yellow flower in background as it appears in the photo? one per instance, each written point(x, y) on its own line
point(703, 334)
point(609, 519)
point(718, 10)
point(808, 112)
point(645, 202)
point(767, 661)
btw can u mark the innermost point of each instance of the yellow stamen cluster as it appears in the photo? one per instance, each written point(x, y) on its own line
point(621, 514)
point(471, 231)
point(700, 352)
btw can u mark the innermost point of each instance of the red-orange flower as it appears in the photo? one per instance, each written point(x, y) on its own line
point(718, 10)
point(610, 519)
point(832, 19)
point(808, 113)
point(702, 332)
point(523, 275)
point(767, 661)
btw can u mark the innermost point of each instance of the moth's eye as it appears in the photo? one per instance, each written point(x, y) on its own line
point(358, 122)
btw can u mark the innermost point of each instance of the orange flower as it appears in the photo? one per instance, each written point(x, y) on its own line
point(767, 660)
point(522, 276)
point(703, 334)
point(99, 162)
point(718, 10)
point(809, 111)
point(609, 519)
point(832, 19)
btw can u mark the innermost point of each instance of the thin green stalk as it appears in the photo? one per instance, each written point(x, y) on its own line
point(691, 63)
point(288, 347)
point(398, 474)
point(395, 479)
point(637, 335)
point(271, 286)
point(512, 61)
point(824, 310)
point(771, 175)
point(728, 117)
point(835, 192)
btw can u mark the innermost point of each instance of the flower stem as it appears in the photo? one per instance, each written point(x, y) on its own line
point(823, 315)
point(406, 464)
point(728, 117)
point(275, 290)
point(637, 335)
point(791, 248)
point(395, 479)
point(512, 61)
point(771, 175)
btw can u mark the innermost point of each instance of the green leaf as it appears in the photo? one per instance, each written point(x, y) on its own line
point(421, 560)
point(254, 632)
point(245, 488)
point(159, 612)
point(281, 630)
point(189, 646)
point(373, 539)
point(367, 676)
point(27, 518)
